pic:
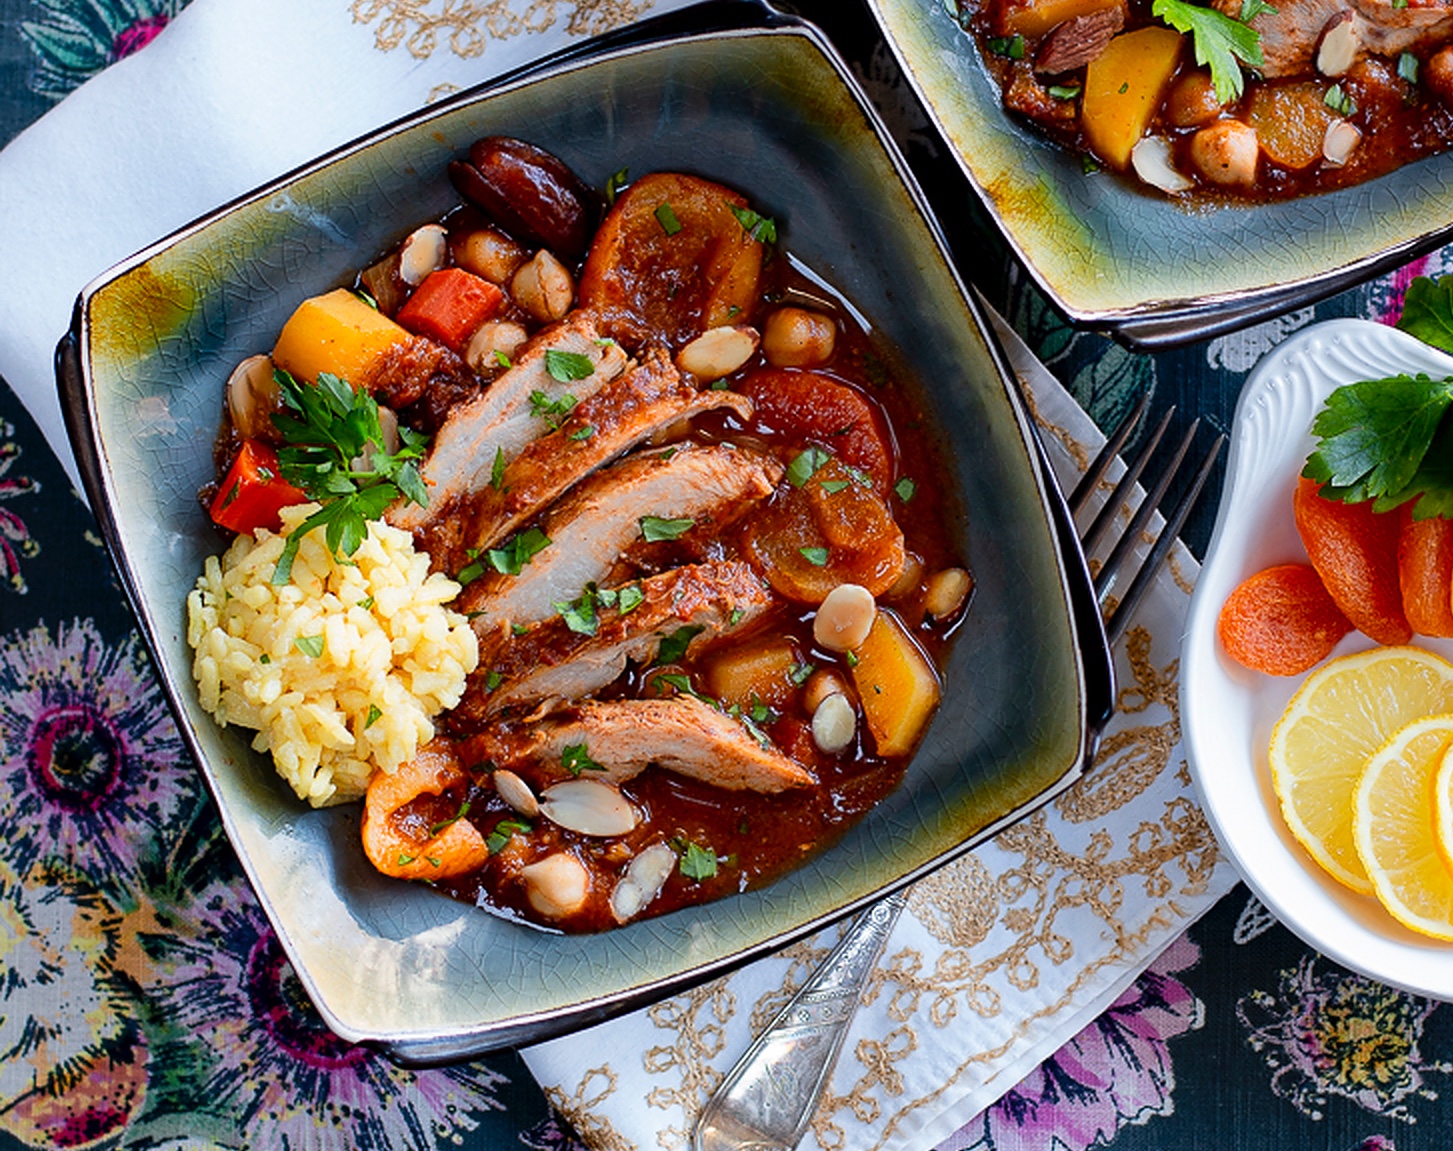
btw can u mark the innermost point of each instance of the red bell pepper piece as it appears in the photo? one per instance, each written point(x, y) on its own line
point(449, 306)
point(253, 492)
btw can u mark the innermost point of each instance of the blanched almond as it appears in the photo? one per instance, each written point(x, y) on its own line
point(718, 352)
point(589, 807)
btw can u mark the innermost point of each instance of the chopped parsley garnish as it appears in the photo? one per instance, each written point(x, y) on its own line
point(493, 679)
point(817, 557)
point(1408, 67)
point(568, 367)
point(374, 715)
point(553, 412)
point(674, 646)
point(584, 432)
point(906, 489)
point(616, 184)
point(501, 358)
point(800, 672)
point(1339, 100)
point(654, 528)
point(666, 217)
point(832, 487)
point(497, 470)
point(470, 571)
point(804, 465)
point(630, 598)
point(579, 614)
point(503, 831)
point(697, 862)
point(1221, 42)
point(736, 616)
point(518, 551)
point(366, 603)
point(310, 645)
point(575, 758)
point(681, 683)
point(436, 828)
point(761, 228)
point(1063, 91)
point(1010, 47)
point(333, 449)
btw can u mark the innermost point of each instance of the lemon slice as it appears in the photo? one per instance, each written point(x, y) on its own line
point(1344, 712)
point(1394, 825)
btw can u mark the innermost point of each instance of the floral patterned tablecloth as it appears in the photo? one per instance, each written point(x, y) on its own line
point(144, 1002)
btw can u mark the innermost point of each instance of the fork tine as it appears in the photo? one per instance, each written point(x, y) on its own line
point(1150, 501)
point(1107, 513)
point(1091, 479)
point(1170, 532)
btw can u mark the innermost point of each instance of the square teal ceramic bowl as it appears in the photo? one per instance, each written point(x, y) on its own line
point(1136, 263)
point(767, 108)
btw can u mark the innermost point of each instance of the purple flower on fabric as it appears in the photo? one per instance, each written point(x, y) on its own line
point(72, 42)
point(276, 1069)
point(1327, 1032)
point(91, 764)
point(1115, 1072)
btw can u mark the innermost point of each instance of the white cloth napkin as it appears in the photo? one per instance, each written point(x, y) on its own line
point(230, 95)
point(1002, 957)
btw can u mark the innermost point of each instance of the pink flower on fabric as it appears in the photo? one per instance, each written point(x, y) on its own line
point(1115, 1072)
point(137, 36)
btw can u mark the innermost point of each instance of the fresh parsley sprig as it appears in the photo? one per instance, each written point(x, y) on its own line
point(1391, 440)
point(1221, 42)
point(335, 451)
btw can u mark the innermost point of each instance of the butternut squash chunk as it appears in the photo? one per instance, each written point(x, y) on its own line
point(897, 685)
point(1123, 88)
point(338, 333)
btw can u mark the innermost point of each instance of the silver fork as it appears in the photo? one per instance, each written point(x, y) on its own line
point(767, 1100)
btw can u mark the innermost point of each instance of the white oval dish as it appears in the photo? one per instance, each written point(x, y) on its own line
point(1228, 712)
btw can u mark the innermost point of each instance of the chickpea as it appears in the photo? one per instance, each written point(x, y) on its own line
point(798, 338)
point(834, 724)
point(490, 255)
point(1192, 101)
point(493, 339)
point(557, 885)
point(946, 591)
point(1437, 74)
point(1227, 152)
point(718, 352)
point(845, 617)
point(543, 287)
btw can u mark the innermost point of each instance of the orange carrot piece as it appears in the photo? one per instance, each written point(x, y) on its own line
point(1425, 572)
point(1354, 550)
point(449, 306)
point(1281, 621)
point(253, 492)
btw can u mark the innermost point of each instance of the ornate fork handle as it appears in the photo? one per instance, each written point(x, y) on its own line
point(768, 1099)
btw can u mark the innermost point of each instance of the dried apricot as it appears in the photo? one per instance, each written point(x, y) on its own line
point(1281, 621)
point(1354, 550)
point(1425, 572)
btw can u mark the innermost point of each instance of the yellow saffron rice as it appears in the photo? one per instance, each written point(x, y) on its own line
point(341, 669)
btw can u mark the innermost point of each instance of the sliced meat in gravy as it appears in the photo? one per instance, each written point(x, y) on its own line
point(503, 419)
point(590, 528)
point(1292, 30)
point(553, 662)
point(625, 736)
point(620, 415)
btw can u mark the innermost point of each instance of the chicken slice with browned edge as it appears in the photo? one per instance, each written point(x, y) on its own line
point(618, 739)
point(1292, 31)
point(625, 412)
point(687, 488)
point(548, 376)
point(569, 657)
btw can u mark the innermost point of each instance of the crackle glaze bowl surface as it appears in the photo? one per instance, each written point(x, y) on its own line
point(766, 106)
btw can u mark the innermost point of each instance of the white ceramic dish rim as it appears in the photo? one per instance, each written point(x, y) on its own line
point(1227, 711)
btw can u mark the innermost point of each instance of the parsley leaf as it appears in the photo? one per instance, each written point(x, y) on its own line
point(575, 758)
point(579, 615)
point(654, 528)
point(334, 450)
point(552, 411)
point(503, 831)
point(568, 367)
point(804, 465)
point(697, 862)
point(310, 645)
point(666, 217)
point(517, 551)
point(1221, 42)
point(817, 557)
point(674, 646)
point(761, 228)
point(1428, 311)
point(1374, 439)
